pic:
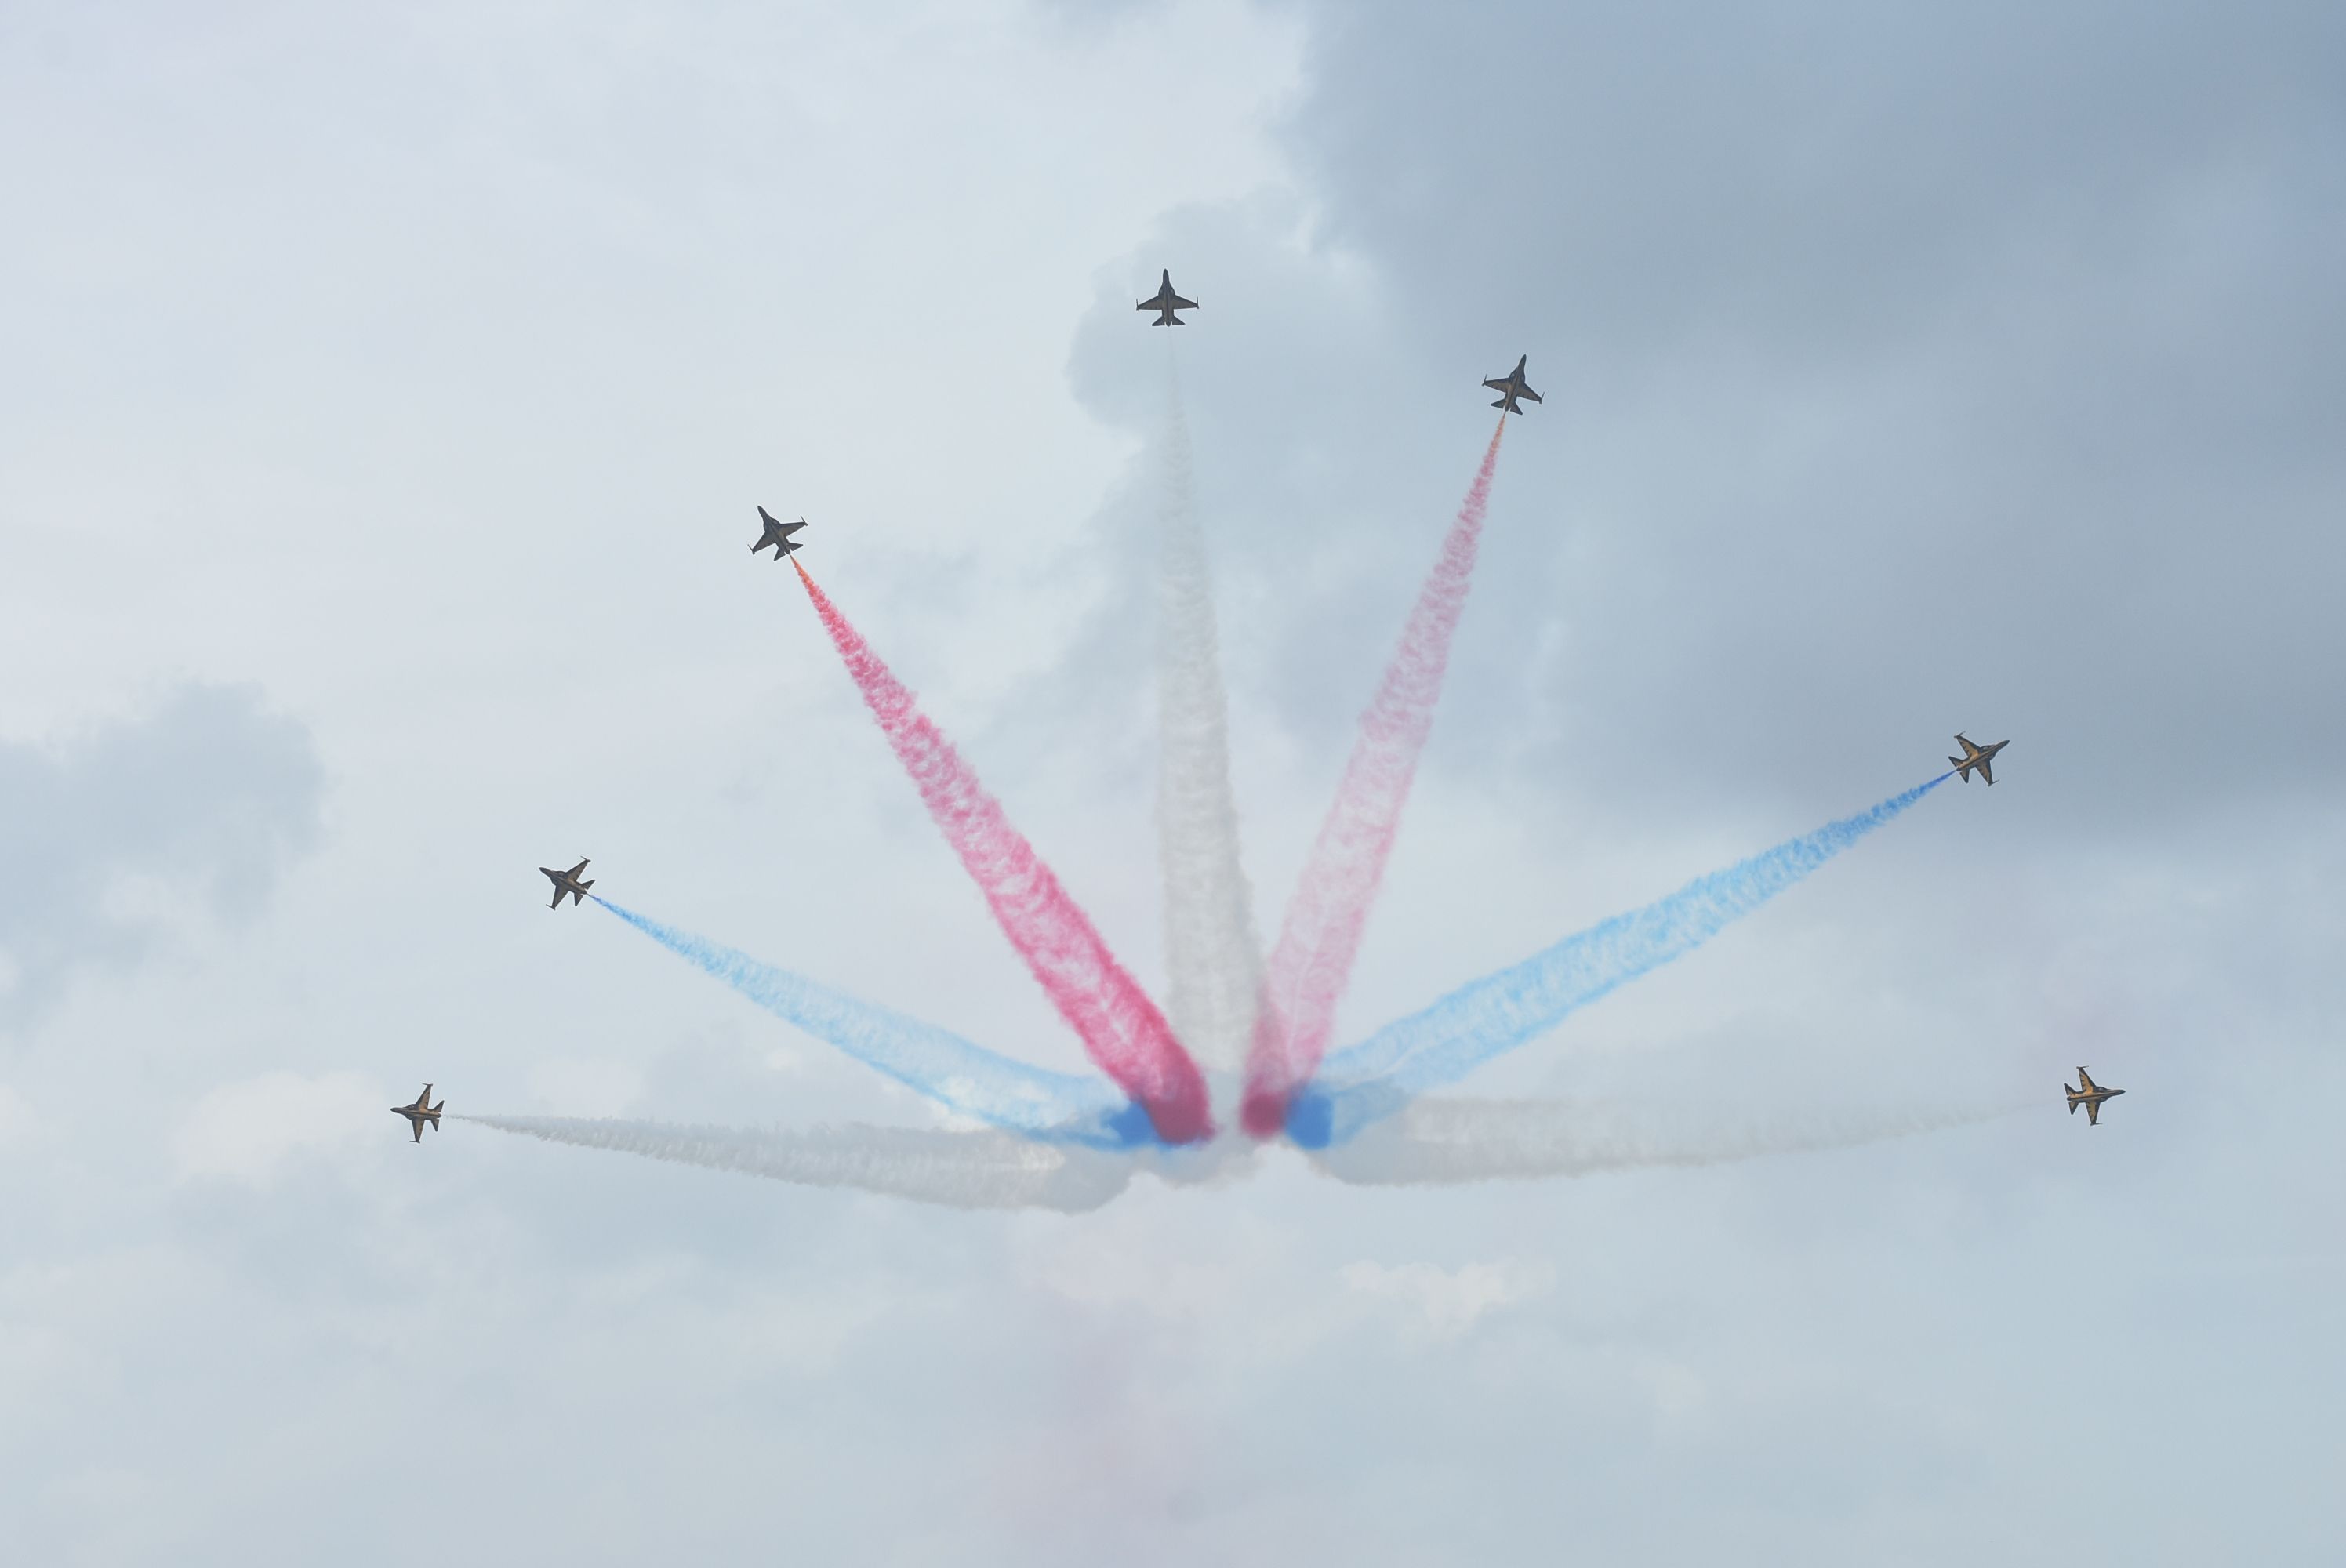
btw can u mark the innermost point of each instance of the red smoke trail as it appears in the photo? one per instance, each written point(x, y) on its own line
point(1119, 1025)
point(1313, 960)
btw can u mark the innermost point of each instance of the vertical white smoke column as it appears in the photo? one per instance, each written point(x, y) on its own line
point(1211, 949)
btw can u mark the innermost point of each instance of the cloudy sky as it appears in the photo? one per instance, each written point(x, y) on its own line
point(389, 392)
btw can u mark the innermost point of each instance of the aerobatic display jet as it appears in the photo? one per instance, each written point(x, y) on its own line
point(1166, 303)
point(1512, 386)
point(422, 1111)
point(778, 534)
point(1977, 757)
point(566, 882)
point(2089, 1094)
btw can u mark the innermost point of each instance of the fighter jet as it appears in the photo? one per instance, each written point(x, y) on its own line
point(2089, 1094)
point(422, 1111)
point(1977, 757)
point(566, 882)
point(778, 534)
point(1512, 386)
point(1166, 303)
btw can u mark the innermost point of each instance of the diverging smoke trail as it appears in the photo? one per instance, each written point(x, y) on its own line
point(1118, 1024)
point(1436, 1142)
point(1213, 955)
point(946, 1068)
point(1371, 1081)
point(1312, 961)
point(961, 1170)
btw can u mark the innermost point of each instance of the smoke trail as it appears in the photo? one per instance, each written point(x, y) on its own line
point(1313, 960)
point(960, 1170)
point(1441, 1141)
point(1118, 1024)
point(948, 1069)
point(1212, 954)
point(1371, 1081)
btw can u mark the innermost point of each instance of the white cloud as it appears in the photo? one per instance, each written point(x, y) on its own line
point(583, 1087)
point(247, 1131)
point(1447, 1302)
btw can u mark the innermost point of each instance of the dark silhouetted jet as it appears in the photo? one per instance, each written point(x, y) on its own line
point(566, 882)
point(1166, 303)
point(1512, 386)
point(1977, 757)
point(778, 534)
point(422, 1111)
point(2089, 1094)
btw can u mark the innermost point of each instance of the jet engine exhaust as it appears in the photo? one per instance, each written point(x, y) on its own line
point(958, 1170)
point(1213, 954)
point(1312, 961)
point(1120, 1027)
point(1444, 1142)
point(932, 1061)
point(1485, 1018)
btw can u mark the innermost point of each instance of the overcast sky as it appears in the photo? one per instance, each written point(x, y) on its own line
point(388, 393)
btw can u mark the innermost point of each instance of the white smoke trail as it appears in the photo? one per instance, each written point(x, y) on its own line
point(985, 1169)
point(1442, 1141)
point(1212, 953)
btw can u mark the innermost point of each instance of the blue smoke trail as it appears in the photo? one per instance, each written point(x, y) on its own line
point(1486, 1017)
point(1058, 1107)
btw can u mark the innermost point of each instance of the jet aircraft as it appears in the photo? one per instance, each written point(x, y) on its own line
point(566, 882)
point(422, 1111)
point(1512, 386)
point(1977, 757)
point(2089, 1094)
point(778, 534)
point(1166, 303)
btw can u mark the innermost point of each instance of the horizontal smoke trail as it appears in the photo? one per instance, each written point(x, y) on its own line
point(1213, 956)
point(1442, 1142)
point(1312, 961)
point(961, 1170)
point(1118, 1024)
point(1371, 1081)
point(946, 1068)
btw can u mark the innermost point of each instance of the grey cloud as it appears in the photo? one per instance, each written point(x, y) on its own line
point(207, 797)
point(1904, 372)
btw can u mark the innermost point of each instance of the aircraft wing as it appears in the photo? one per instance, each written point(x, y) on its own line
point(2093, 1113)
point(1986, 770)
point(1178, 303)
point(1497, 384)
point(576, 869)
point(417, 1124)
point(2085, 1082)
point(1529, 394)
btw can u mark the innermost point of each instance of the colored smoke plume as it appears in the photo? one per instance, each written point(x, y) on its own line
point(1443, 1043)
point(946, 1068)
point(1120, 1027)
point(1213, 955)
point(960, 1170)
point(1442, 1141)
point(1312, 961)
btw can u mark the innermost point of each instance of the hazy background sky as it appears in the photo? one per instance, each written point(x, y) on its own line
point(388, 393)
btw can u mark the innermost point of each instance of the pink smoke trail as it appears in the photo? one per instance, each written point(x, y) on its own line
point(1120, 1027)
point(1313, 958)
